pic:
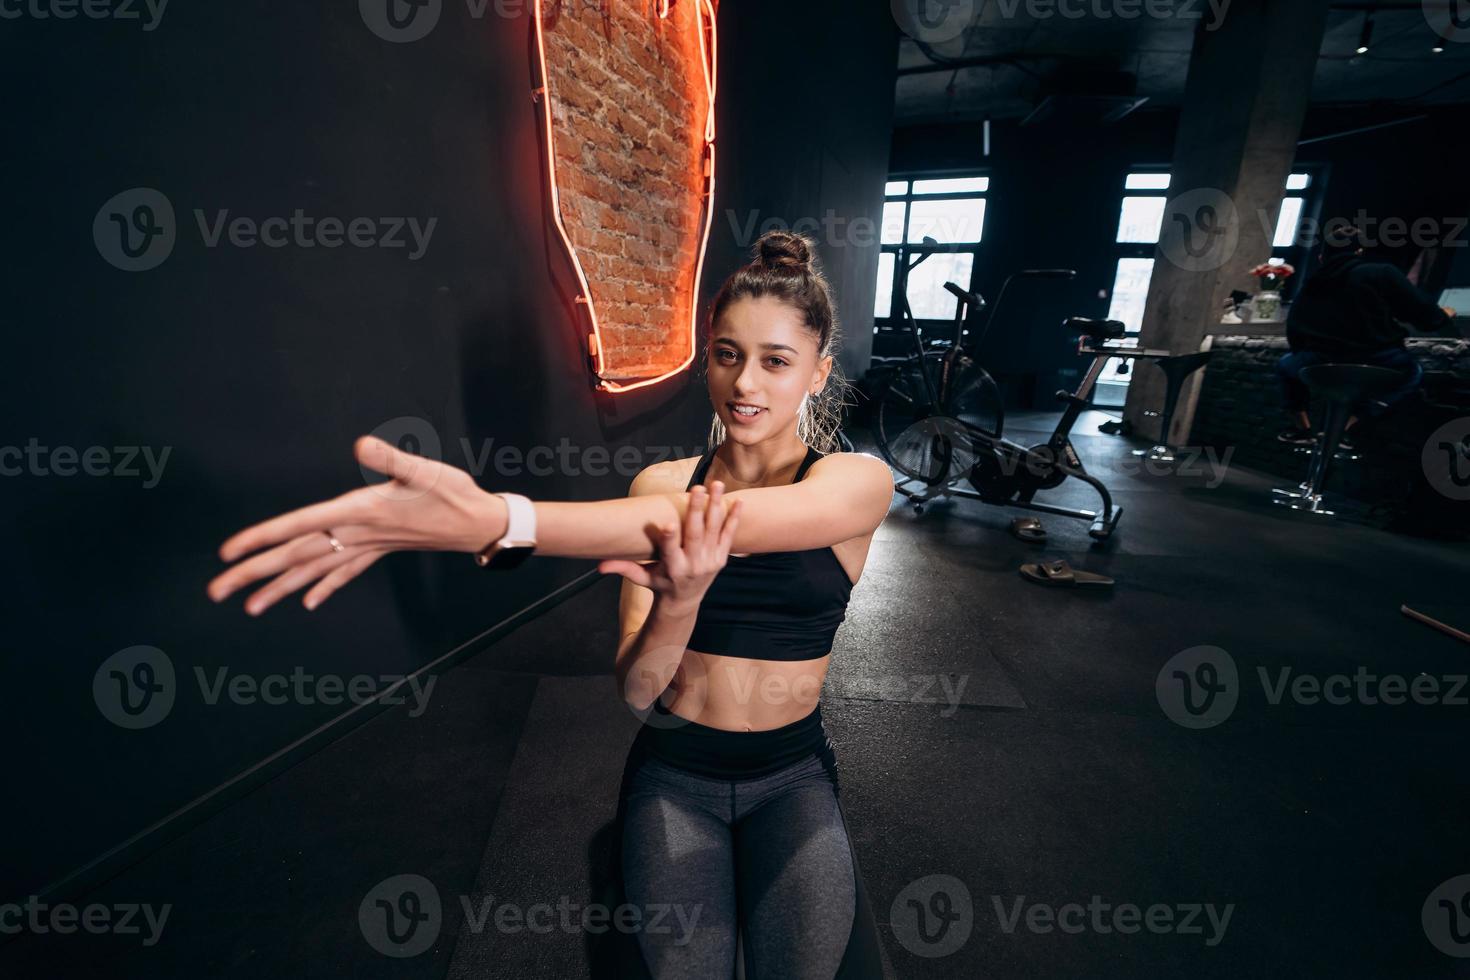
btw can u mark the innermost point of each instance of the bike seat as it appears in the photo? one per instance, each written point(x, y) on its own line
point(1096, 329)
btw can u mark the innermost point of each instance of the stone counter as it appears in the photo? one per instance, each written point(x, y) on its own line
point(1239, 409)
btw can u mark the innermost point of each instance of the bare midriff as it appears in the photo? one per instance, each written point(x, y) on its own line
point(738, 694)
point(741, 694)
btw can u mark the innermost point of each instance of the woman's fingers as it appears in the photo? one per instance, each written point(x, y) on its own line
point(303, 548)
point(671, 551)
point(709, 517)
point(630, 570)
point(694, 518)
point(295, 577)
point(339, 577)
point(350, 508)
point(416, 474)
point(715, 515)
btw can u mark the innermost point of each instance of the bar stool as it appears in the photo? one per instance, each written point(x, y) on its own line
point(1176, 370)
point(1343, 385)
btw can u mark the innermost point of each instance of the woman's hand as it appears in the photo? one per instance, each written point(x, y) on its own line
point(688, 562)
point(425, 506)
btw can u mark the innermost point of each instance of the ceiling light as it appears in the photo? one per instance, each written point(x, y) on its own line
point(1366, 40)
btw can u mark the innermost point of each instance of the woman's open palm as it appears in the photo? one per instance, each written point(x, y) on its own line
point(689, 559)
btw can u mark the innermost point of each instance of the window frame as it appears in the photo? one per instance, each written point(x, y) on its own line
point(903, 251)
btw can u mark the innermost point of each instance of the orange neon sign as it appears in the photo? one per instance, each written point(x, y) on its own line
point(705, 28)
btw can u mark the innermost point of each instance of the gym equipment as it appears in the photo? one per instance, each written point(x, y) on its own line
point(940, 419)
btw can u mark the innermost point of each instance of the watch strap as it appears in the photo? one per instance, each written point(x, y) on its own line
point(520, 530)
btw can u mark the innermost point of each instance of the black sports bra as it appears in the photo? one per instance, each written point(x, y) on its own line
point(782, 605)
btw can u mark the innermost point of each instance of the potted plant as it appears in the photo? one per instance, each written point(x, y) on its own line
point(1273, 276)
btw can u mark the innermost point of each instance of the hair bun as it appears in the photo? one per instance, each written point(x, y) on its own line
point(784, 250)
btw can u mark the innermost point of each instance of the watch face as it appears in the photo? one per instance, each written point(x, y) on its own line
point(510, 557)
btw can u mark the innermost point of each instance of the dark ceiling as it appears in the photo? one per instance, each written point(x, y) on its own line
point(1013, 60)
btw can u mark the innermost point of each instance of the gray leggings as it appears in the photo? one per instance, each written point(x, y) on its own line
point(769, 856)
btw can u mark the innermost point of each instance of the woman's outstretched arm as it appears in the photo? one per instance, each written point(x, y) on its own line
point(841, 497)
point(430, 506)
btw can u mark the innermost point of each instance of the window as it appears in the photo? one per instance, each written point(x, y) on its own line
point(950, 211)
point(886, 264)
point(1130, 292)
point(1140, 221)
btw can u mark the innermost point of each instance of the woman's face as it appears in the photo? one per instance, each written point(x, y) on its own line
point(762, 355)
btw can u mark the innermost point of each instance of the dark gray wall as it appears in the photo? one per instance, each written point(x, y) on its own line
point(804, 126)
point(256, 367)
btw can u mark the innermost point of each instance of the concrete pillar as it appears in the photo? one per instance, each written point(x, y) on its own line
point(1249, 84)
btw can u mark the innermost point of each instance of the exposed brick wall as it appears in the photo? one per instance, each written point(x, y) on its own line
point(629, 110)
point(1240, 409)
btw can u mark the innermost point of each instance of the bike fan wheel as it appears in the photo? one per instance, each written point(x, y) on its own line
point(927, 442)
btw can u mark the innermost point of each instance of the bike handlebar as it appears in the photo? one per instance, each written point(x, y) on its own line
point(977, 303)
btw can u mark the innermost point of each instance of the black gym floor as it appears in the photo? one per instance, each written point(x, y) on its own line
point(989, 730)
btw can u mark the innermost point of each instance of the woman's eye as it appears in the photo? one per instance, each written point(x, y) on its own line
point(729, 356)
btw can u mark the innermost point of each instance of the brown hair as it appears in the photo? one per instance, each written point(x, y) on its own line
point(783, 265)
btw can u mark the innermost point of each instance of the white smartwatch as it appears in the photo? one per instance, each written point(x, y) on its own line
point(520, 535)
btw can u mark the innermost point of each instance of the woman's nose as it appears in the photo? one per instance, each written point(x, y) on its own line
point(747, 380)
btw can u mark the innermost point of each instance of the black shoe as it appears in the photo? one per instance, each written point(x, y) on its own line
point(1296, 437)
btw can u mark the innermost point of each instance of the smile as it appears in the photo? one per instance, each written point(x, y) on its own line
point(745, 411)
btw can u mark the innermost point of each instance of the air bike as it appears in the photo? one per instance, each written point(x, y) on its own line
point(940, 417)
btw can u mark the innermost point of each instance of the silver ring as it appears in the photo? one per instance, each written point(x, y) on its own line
point(332, 539)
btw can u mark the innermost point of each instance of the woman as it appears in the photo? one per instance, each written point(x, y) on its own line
point(729, 808)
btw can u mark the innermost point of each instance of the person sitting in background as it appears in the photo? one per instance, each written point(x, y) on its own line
point(1353, 311)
